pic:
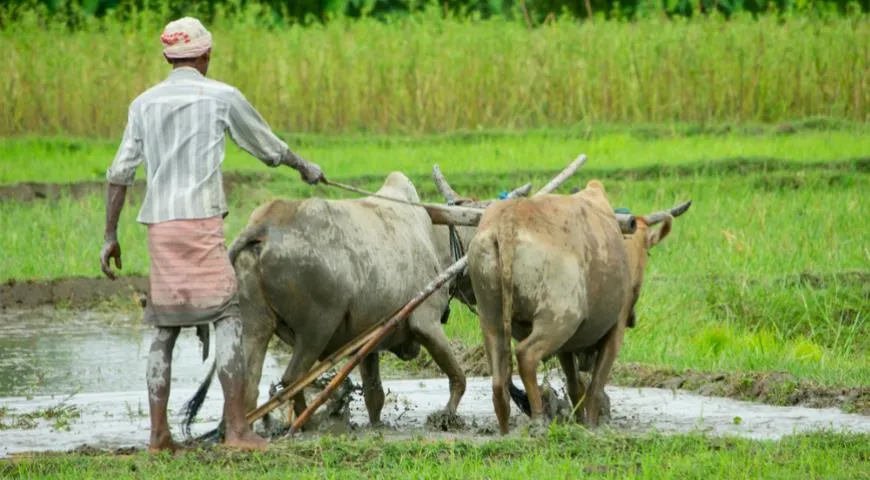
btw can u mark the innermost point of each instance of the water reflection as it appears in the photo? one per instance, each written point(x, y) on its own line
point(47, 351)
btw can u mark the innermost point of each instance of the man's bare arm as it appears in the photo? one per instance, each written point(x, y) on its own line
point(111, 248)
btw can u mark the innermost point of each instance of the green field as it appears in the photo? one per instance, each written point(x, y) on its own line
point(425, 73)
point(564, 453)
point(754, 278)
point(761, 122)
point(65, 160)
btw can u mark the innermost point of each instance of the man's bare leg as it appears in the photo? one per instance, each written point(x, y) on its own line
point(230, 357)
point(158, 377)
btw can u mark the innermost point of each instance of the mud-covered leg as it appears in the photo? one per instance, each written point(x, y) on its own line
point(373, 390)
point(546, 337)
point(258, 323)
point(306, 351)
point(256, 344)
point(431, 336)
point(573, 383)
point(158, 377)
point(255, 347)
point(500, 366)
point(230, 358)
point(601, 373)
point(496, 339)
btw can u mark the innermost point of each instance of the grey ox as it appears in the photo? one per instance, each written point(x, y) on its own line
point(555, 273)
point(317, 273)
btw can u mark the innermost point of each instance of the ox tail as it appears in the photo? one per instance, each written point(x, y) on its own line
point(249, 236)
point(520, 398)
point(191, 408)
point(506, 239)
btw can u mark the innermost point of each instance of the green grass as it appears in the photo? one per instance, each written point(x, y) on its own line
point(426, 73)
point(563, 453)
point(742, 225)
point(65, 160)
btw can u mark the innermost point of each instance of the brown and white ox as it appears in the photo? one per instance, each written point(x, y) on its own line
point(556, 273)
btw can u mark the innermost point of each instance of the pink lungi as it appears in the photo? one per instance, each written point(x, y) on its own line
point(192, 282)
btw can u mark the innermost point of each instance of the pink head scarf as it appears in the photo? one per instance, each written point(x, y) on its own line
point(185, 38)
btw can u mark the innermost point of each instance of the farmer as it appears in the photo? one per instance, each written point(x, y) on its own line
point(177, 128)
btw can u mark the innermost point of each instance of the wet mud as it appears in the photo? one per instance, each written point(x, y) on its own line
point(78, 384)
point(76, 292)
point(773, 388)
point(106, 424)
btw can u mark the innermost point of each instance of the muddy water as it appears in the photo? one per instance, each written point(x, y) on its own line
point(92, 365)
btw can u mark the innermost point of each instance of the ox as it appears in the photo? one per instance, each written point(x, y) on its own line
point(555, 273)
point(317, 273)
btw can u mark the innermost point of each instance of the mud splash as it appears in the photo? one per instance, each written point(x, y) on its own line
point(773, 388)
point(79, 383)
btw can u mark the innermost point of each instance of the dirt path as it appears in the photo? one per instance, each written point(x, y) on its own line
point(77, 292)
point(36, 191)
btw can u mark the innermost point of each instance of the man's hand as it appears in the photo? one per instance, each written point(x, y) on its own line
point(310, 172)
point(111, 249)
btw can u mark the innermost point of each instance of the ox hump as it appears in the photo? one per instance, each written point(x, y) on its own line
point(399, 185)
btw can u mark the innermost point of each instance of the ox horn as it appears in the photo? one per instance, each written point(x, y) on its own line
point(658, 217)
point(441, 183)
point(454, 198)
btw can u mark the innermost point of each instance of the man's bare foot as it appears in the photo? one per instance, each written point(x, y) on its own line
point(248, 441)
point(163, 443)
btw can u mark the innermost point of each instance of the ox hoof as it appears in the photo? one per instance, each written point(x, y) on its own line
point(445, 421)
point(538, 427)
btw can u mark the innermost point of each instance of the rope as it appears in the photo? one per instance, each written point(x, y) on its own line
point(353, 189)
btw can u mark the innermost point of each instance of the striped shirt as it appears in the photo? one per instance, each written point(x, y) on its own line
point(177, 128)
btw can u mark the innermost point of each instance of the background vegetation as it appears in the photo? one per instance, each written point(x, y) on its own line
point(430, 72)
point(533, 12)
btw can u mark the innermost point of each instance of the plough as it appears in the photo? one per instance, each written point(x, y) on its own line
point(357, 349)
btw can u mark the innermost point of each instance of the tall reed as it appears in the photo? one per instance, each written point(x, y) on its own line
point(426, 73)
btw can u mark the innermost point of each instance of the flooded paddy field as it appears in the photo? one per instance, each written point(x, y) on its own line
point(73, 379)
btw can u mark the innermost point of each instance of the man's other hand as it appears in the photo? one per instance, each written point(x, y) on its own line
point(111, 249)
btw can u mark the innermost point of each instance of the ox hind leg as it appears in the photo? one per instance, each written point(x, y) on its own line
point(373, 389)
point(310, 342)
point(500, 369)
point(573, 383)
point(548, 334)
point(601, 373)
point(492, 329)
point(426, 325)
point(258, 326)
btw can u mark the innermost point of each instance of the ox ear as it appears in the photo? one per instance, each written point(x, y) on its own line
point(655, 235)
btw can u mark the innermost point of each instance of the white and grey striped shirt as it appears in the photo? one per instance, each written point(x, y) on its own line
point(177, 127)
